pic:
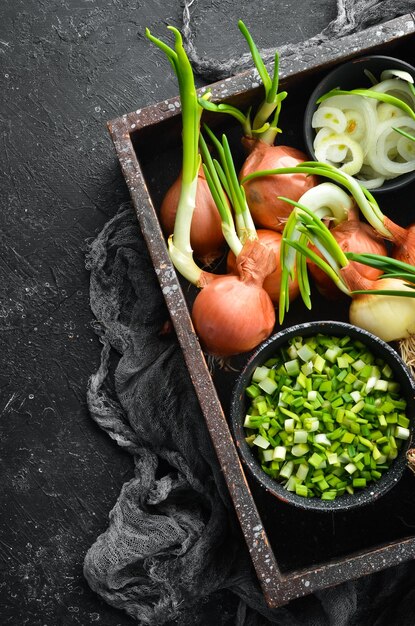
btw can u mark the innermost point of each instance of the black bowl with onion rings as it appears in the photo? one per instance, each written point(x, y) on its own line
point(355, 74)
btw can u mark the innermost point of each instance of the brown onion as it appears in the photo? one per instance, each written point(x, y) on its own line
point(272, 283)
point(262, 193)
point(233, 313)
point(352, 235)
point(206, 235)
point(404, 241)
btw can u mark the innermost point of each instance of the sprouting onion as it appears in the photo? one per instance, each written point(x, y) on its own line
point(363, 198)
point(259, 137)
point(231, 313)
point(222, 177)
point(402, 238)
point(179, 244)
point(206, 237)
point(325, 416)
point(385, 307)
point(260, 127)
point(332, 203)
point(239, 228)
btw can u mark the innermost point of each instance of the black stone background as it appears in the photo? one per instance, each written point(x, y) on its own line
point(66, 67)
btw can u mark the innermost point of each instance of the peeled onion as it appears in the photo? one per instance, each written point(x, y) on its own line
point(389, 317)
point(262, 193)
point(206, 235)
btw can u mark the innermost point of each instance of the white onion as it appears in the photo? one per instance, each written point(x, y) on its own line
point(389, 317)
point(369, 178)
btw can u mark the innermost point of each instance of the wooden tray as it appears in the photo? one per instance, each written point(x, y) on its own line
point(294, 552)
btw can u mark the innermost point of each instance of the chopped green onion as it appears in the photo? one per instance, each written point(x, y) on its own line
point(331, 432)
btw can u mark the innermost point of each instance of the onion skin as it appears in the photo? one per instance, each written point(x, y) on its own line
point(262, 193)
point(206, 235)
point(233, 313)
point(272, 283)
point(352, 236)
point(404, 241)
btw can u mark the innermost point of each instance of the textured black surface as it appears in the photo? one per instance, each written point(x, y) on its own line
point(65, 69)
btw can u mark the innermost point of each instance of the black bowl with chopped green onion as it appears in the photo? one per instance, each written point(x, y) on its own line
point(323, 415)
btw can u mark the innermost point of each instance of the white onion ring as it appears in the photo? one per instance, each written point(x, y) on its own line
point(329, 117)
point(398, 88)
point(383, 148)
point(387, 111)
point(406, 148)
point(339, 141)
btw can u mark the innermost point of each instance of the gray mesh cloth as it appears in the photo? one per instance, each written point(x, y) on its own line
point(173, 539)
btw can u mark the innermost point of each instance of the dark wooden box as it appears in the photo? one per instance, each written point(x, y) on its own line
point(293, 552)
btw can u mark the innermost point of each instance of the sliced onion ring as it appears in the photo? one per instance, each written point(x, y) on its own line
point(394, 168)
point(406, 148)
point(397, 74)
point(354, 164)
point(329, 117)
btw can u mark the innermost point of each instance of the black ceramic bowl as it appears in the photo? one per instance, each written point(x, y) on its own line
point(239, 403)
point(351, 75)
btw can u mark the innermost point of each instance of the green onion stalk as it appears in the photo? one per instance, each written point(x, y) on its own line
point(225, 188)
point(385, 307)
point(179, 243)
point(264, 125)
point(260, 132)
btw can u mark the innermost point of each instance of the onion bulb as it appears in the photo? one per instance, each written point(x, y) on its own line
point(233, 313)
point(206, 235)
point(403, 240)
point(262, 193)
point(389, 317)
point(352, 235)
point(272, 282)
